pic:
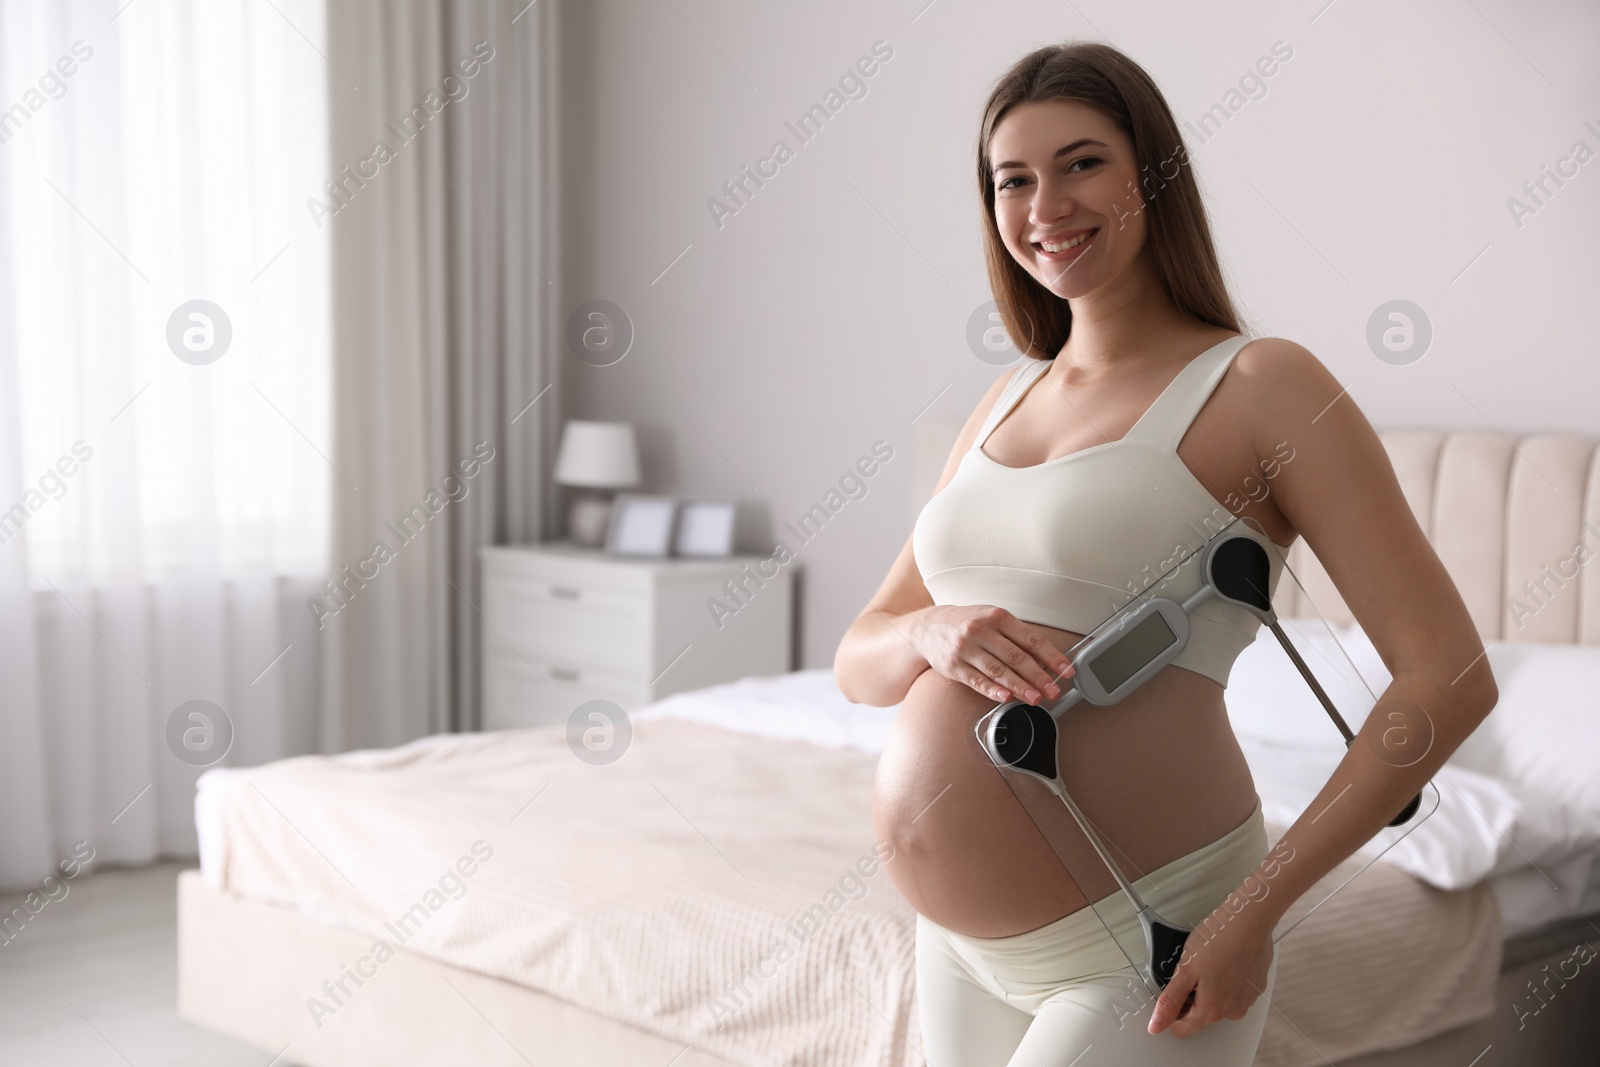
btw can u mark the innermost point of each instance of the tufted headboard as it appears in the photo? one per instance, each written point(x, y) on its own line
point(1517, 524)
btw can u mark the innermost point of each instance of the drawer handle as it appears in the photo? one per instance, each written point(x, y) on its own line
point(566, 592)
point(566, 674)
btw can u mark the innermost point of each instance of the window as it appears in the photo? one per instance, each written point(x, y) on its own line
point(151, 157)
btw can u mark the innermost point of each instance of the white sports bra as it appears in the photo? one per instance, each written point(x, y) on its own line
point(1067, 542)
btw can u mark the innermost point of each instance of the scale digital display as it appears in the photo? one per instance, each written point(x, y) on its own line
point(1141, 644)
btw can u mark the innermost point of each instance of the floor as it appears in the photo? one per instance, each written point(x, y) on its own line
point(92, 979)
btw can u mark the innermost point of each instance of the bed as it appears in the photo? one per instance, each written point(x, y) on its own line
point(713, 899)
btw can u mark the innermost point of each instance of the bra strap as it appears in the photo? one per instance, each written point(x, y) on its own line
point(1024, 376)
point(1168, 419)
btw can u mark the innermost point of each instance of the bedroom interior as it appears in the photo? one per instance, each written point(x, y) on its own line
point(439, 457)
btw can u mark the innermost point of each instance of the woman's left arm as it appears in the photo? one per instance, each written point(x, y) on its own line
point(1341, 494)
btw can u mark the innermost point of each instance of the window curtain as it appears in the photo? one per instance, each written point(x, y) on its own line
point(164, 412)
point(386, 381)
point(440, 209)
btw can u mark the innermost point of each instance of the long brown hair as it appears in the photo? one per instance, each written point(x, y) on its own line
point(1103, 78)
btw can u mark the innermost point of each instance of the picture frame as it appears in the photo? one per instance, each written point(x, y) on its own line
point(705, 528)
point(641, 525)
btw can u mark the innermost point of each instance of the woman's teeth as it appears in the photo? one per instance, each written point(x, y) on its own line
point(1073, 243)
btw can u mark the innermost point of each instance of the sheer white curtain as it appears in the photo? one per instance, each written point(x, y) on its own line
point(164, 509)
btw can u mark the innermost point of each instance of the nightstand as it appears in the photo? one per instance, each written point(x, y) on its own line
point(565, 624)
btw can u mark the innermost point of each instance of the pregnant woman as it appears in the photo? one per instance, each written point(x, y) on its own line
point(1139, 413)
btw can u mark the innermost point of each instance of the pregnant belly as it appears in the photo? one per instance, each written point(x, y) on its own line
point(991, 855)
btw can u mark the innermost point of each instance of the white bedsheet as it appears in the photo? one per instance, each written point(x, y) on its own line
point(1542, 857)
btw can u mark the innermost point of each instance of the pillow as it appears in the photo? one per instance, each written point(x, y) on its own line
point(1269, 701)
point(1467, 837)
point(1544, 734)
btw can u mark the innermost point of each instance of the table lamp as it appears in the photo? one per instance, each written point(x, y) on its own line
point(595, 455)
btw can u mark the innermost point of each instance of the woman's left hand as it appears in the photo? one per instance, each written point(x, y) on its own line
point(1225, 974)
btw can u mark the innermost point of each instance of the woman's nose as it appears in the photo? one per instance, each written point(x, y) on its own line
point(1050, 203)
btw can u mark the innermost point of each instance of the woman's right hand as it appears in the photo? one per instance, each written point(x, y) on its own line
point(990, 650)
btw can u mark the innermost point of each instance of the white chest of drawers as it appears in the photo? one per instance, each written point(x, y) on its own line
point(564, 624)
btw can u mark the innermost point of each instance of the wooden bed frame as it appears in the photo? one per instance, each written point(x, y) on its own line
point(1496, 513)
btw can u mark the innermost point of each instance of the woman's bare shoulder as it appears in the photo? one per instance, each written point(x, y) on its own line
point(1275, 366)
point(1280, 383)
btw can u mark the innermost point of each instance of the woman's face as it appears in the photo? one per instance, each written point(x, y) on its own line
point(1063, 172)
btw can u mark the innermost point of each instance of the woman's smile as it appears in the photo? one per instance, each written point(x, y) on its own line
point(1065, 249)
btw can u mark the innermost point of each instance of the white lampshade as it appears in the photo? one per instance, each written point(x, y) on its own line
point(600, 455)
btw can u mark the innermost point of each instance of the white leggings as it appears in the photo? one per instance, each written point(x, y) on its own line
point(1065, 995)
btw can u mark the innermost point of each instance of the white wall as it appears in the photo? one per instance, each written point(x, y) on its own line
point(833, 308)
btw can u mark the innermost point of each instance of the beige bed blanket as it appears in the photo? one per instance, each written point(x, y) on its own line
point(722, 890)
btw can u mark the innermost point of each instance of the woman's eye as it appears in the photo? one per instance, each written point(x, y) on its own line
point(1088, 162)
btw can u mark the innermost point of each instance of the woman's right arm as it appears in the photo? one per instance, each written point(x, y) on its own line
point(901, 632)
